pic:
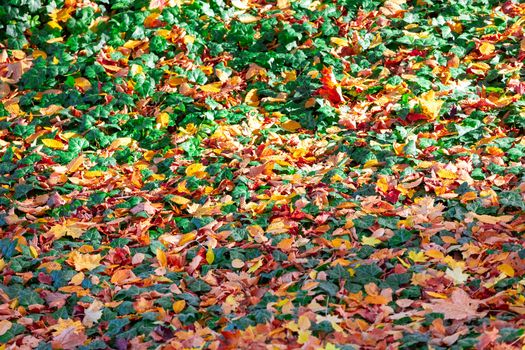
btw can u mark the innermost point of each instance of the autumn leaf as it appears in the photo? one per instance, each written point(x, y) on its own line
point(85, 261)
point(429, 105)
point(458, 307)
point(71, 229)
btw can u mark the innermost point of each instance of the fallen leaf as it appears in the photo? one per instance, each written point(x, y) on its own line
point(85, 261)
point(52, 143)
point(458, 307)
point(93, 313)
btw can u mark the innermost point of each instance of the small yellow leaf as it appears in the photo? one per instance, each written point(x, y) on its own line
point(437, 295)
point(251, 98)
point(83, 84)
point(446, 174)
point(162, 258)
point(33, 251)
point(188, 237)
point(210, 256)
point(180, 200)
point(417, 257)
point(434, 253)
point(303, 337)
point(196, 170)
point(370, 163)
point(75, 164)
point(255, 266)
point(179, 305)
point(382, 184)
point(486, 48)
point(291, 125)
point(212, 88)
point(54, 25)
point(507, 270)
point(163, 119)
point(371, 241)
point(339, 41)
point(121, 141)
point(52, 143)
point(429, 105)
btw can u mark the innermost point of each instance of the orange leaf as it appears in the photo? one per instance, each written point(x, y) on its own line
point(179, 305)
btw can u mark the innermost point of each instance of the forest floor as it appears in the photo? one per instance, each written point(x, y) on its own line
point(262, 174)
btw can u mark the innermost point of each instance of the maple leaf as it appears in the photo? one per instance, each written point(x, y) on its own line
point(457, 275)
point(331, 89)
point(67, 228)
point(458, 307)
point(93, 313)
point(85, 261)
point(429, 105)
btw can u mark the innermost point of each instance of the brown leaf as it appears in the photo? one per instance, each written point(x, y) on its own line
point(458, 307)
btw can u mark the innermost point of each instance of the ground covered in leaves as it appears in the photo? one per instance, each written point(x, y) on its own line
point(262, 174)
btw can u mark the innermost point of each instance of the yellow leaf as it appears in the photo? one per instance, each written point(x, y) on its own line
point(303, 337)
point(434, 253)
point(122, 141)
point(429, 105)
point(507, 270)
point(251, 98)
point(212, 88)
point(179, 305)
point(417, 257)
point(52, 143)
point(2, 264)
point(382, 184)
point(38, 53)
point(85, 261)
point(446, 174)
point(437, 295)
point(73, 165)
point(370, 164)
point(67, 229)
point(83, 84)
point(255, 266)
point(291, 125)
point(486, 48)
point(54, 25)
point(180, 200)
point(339, 41)
point(210, 256)
point(187, 238)
point(163, 119)
point(33, 251)
point(161, 258)
point(93, 173)
point(371, 241)
point(196, 170)
point(77, 279)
